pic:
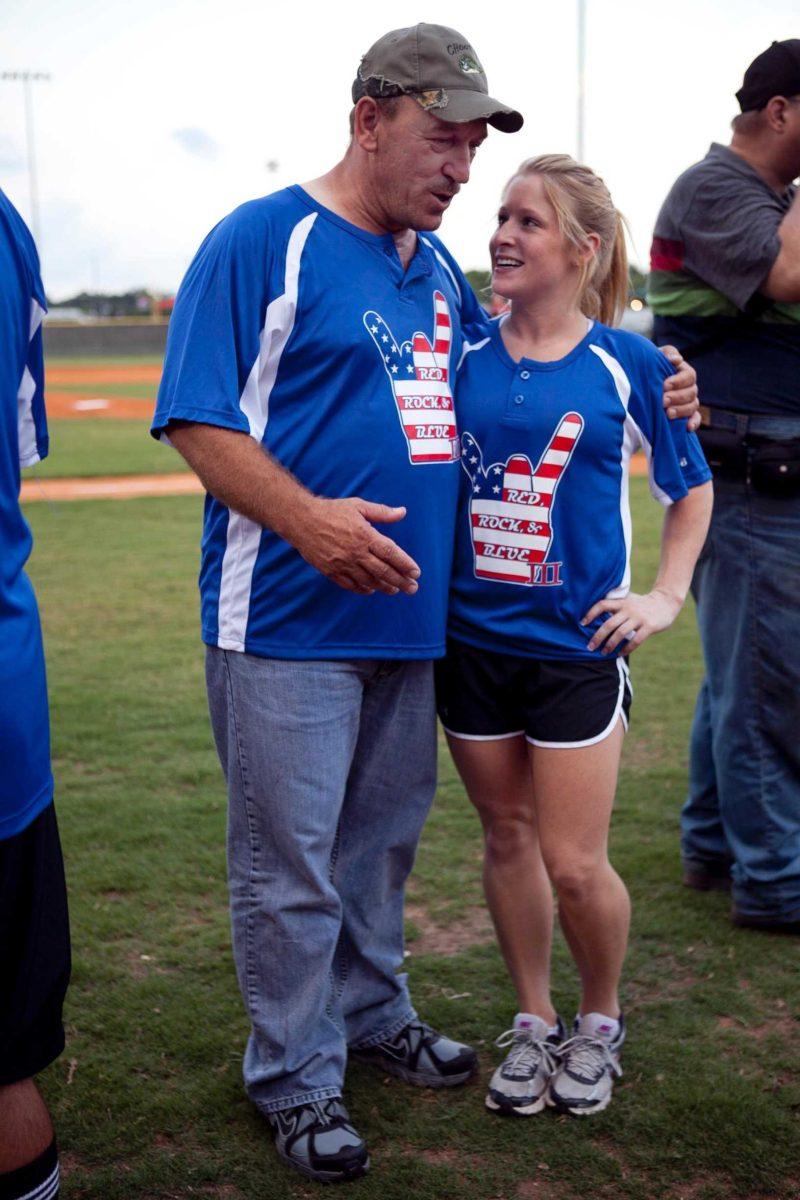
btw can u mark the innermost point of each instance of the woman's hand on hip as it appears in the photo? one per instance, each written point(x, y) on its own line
point(631, 619)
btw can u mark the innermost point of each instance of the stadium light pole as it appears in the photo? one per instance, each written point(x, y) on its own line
point(26, 78)
point(581, 115)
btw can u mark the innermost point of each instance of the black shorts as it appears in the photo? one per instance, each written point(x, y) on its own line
point(482, 695)
point(34, 949)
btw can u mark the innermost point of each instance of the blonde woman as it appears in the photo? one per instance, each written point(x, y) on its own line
point(534, 692)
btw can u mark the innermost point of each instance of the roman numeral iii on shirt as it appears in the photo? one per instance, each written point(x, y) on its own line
point(511, 508)
point(419, 376)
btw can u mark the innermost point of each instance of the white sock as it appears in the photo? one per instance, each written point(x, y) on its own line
point(595, 1024)
point(532, 1021)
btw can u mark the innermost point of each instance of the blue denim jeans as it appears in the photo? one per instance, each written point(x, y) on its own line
point(331, 770)
point(743, 807)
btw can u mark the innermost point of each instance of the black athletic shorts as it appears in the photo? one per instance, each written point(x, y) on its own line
point(482, 695)
point(34, 949)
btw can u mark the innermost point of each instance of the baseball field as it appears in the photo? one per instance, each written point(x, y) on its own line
point(147, 1097)
point(98, 412)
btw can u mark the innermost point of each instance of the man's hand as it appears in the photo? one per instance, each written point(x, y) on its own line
point(680, 390)
point(632, 619)
point(340, 541)
point(335, 536)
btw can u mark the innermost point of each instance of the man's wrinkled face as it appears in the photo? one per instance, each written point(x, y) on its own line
point(420, 163)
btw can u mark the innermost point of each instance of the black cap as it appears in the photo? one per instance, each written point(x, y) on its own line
point(776, 72)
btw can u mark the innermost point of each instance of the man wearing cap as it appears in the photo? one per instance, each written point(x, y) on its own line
point(725, 287)
point(308, 381)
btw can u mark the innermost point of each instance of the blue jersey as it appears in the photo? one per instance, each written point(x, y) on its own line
point(305, 332)
point(26, 784)
point(543, 528)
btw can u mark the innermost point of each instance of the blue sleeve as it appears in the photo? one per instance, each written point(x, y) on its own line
point(215, 328)
point(675, 460)
point(34, 442)
point(31, 416)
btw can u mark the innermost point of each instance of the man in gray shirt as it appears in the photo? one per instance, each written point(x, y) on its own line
point(725, 288)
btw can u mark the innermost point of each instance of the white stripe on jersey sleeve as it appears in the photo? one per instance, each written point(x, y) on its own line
point(244, 535)
point(655, 491)
point(278, 326)
point(614, 368)
point(26, 426)
point(446, 266)
point(639, 440)
point(631, 440)
point(468, 347)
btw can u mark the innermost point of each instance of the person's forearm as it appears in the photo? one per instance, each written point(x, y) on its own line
point(631, 619)
point(244, 477)
point(783, 281)
point(685, 528)
point(789, 228)
point(336, 536)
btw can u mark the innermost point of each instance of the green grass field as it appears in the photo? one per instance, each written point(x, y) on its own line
point(147, 1097)
point(96, 446)
point(99, 445)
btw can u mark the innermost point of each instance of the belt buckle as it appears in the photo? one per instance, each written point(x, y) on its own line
point(705, 414)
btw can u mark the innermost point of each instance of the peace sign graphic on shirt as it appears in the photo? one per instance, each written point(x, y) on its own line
point(510, 507)
point(419, 376)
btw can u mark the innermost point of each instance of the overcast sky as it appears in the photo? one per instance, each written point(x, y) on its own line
point(162, 115)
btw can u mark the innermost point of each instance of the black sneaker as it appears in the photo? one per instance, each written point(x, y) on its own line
point(707, 877)
point(765, 924)
point(420, 1055)
point(319, 1141)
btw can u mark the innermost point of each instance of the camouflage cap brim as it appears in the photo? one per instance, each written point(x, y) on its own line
point(451, 104)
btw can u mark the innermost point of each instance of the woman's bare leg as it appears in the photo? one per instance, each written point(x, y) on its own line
point(574, 792)
point(497, 777)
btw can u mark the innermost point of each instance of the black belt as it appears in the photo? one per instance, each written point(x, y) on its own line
point(759, 425)
point(742, 448)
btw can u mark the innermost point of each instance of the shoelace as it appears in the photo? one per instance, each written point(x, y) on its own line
point(323, 1110)
point(417, 1032)
point(588, 1056)
point(527, 1051)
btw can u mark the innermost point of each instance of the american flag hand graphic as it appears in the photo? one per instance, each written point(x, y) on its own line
point(419, 375)
point(511, 506)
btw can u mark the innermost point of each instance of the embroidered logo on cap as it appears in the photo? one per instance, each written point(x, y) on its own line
point(469, 65)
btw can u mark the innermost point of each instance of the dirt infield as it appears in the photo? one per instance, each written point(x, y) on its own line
point(72, 406)
point(91, 372)
point(110, 487)
point(86, 383)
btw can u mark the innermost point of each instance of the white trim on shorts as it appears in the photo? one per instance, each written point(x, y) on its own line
point(622, 668)
point(483, 737)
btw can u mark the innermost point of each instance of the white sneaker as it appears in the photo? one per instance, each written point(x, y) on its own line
point(587, 1066)
point(519, 1085)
